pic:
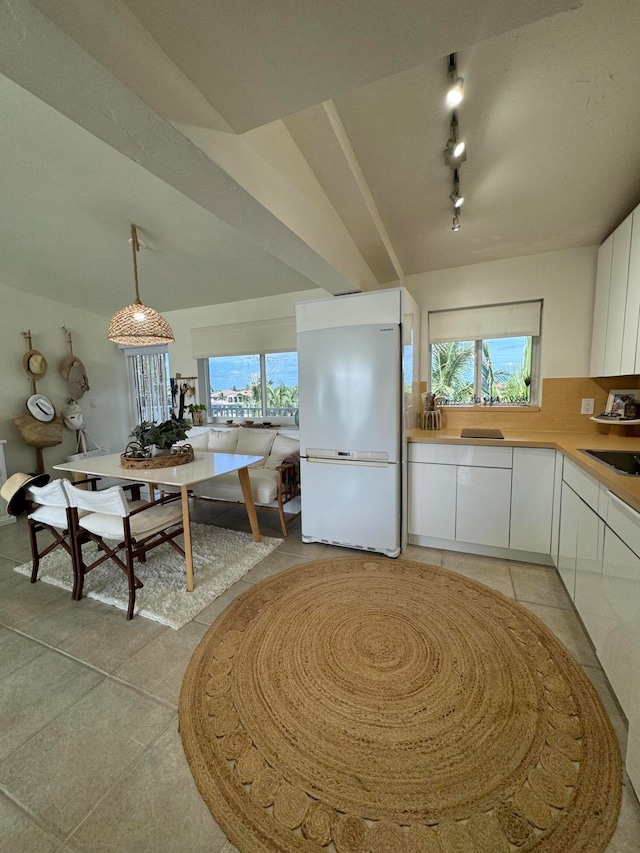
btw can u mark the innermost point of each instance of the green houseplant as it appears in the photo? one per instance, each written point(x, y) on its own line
point(197, 410)
point(163, 435)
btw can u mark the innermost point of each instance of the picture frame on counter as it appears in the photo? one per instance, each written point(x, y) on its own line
point(617, 401)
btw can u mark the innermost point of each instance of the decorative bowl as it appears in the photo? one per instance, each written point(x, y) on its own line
point(248, 423)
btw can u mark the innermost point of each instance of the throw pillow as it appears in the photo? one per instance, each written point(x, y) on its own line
point(200, 441)
point(255, 442)
point(281, 448)
point(223, 440)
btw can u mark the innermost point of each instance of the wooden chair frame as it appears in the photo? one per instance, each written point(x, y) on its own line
point(288, 488)
point(134, 549)
point(63, 538)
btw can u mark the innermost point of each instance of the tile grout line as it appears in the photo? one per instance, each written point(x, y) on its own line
point(117, 781)
point(44, 827)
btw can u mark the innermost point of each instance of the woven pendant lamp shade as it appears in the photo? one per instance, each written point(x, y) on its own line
point(137, 324)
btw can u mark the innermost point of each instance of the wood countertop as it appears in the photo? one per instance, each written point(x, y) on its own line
point(626, 487)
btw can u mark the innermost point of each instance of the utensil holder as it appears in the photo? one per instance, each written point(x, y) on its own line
point(432, 419)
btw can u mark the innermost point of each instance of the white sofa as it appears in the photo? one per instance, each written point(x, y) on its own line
point(274, 480)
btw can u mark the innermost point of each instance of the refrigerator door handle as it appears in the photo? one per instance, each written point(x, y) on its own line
point(349, 462)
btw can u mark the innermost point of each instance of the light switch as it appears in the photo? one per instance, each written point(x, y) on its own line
point(94, 403)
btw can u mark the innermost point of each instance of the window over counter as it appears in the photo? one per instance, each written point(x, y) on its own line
point(252, 386)
point(488, 355)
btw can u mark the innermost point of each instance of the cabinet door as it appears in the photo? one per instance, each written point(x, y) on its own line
point(601, 307)
point(483, 505)
point(555, 522)
point(617, 298)
point(619, 647)
point(432, 500)
point(532, 499)
point(588, 579)
point(632, 307)
point(568, 541)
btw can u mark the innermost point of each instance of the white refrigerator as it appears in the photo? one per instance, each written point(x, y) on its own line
point(356, 397)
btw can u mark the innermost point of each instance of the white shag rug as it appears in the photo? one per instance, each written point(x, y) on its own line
point(220, 558)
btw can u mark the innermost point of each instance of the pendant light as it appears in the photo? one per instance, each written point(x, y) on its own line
point(137, 324)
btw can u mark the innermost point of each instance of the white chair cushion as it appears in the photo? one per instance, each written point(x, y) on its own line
point(111, 500)
point(51, 495)
point(223, 440)
point(54, 516)
point(281, 448)
point(226, 487)
point(150, 521)
point(255, 442)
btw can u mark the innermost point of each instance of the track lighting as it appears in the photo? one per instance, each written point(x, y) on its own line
point(456, 223)
point(456, 151)
point(455, 93)
point(456, 198)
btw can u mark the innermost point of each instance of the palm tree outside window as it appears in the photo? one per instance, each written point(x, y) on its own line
point(491, 371)
point(257, 385)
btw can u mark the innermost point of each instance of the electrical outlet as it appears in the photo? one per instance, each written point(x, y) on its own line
point(587, 406)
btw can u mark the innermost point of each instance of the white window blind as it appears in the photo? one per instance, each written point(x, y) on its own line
point(510, 320)
point(277, 335)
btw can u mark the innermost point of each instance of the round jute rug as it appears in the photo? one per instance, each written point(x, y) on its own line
point(362, 705)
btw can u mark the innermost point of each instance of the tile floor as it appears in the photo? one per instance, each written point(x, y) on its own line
point(90, 756)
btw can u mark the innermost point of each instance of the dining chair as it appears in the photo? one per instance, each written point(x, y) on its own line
point(50, 511)
point(117, 529)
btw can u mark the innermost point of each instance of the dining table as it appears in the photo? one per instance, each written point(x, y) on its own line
point(205, 466)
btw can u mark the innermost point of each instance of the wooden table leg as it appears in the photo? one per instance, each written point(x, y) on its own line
point(247, 494)
point(188, 556)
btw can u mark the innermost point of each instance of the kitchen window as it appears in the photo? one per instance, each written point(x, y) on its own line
point(474, 360)
point(251, 386)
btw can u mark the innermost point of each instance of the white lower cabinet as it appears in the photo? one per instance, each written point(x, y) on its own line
point(568, 539)
point(588, 576)
point(555, 516)
point(532, 499)
point(496, 497)
point(483, 505)
point(619, 642)
point(432, 500)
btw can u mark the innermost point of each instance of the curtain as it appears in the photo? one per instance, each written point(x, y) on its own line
point(149, 378)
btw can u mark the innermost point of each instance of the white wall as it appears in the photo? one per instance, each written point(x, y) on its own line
point(108, 423)
point(564, 280)
point(182, 322)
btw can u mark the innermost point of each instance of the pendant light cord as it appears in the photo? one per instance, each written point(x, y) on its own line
point(136, 248)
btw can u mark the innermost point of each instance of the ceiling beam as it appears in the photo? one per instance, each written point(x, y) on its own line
point(41, 58)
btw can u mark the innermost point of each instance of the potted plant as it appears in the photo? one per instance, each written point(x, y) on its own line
point(161, 436)
point(197, 410)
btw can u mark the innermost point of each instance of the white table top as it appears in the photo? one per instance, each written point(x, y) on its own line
point(204, 467)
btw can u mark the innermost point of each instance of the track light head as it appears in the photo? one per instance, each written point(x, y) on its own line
point(457, 199)
point(455, 226)
point(455, 153)
point(455, 92)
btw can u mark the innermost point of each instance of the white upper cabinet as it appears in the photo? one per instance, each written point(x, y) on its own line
point(616, 319)
point(615, 348)
point(601, 307)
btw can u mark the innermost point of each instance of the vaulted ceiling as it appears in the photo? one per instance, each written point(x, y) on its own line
point(265, 148)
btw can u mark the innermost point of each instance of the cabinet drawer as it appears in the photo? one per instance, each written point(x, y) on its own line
point(625, 522)
point(461, 454)
point(582, 484)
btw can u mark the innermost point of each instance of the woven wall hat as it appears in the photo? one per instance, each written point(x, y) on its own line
point(35, 364)
point(41, 408)
point(14, 491)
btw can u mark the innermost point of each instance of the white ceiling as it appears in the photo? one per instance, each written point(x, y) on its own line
point(205, 125)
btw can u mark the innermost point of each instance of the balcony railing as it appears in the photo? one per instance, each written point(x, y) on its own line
point(232, 410)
